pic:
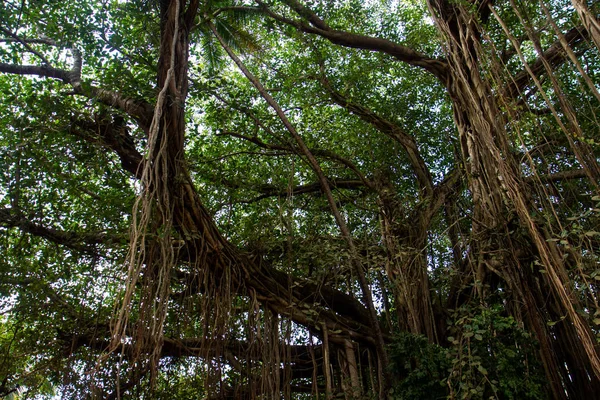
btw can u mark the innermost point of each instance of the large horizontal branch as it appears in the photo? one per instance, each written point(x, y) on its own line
point(348, 309)
point(41, 71)
point(318, 27)
point(140, 110)
point(193, 347)
point(557, 176)
point(81, 241)
point(333, 305)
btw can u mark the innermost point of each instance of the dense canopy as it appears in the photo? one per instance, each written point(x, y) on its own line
point(299, 199)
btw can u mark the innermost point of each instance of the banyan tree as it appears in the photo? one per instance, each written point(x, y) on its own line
point(300, 199)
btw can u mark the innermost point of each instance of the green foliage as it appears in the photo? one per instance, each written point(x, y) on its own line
point(487, 356)
point(421, 368)
point(491, 356)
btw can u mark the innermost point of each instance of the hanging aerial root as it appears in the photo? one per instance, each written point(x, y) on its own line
point(151, 256)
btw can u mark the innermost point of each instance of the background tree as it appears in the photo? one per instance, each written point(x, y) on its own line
point(392, 199)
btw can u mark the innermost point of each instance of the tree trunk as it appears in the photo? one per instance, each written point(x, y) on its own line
point(405, 242)
point(498, 194)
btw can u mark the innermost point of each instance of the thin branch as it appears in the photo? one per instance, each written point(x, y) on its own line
point(26, 45)
point(274, 191)
point(317, 152)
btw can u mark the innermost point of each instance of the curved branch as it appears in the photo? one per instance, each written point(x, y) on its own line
point(390, 129)
point(316, 26)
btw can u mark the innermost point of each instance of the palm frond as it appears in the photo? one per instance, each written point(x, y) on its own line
point(236, 37)
point(212, 54)
point(230, 17)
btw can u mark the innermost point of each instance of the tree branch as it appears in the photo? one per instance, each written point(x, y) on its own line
point(138, 109)
point(554, 55)
point(43, 71)
point(114, 135)
point(318, 27)
point(274, 191)
point(80, 241)
point(557, 176)
point(317, 152)
point(25, 44)
point(390, 129)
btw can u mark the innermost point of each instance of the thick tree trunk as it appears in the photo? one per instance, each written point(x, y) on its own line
point(498, 195)
point(151, 258)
